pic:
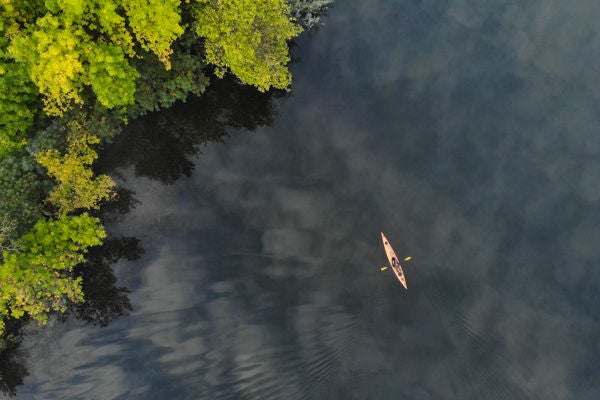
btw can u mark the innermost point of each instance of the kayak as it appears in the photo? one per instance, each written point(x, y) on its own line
point(394, 262)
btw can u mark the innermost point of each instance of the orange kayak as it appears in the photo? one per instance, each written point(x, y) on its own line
point(394, 262)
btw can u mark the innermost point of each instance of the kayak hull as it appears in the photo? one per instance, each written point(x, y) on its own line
point(394, 261)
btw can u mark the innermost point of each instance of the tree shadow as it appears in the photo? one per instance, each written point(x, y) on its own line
point(162, 145)
point(104, 300)
point(12, 365)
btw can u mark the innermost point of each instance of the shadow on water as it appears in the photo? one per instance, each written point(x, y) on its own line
point(162, 146)
point(12, 366)
point(104, 300)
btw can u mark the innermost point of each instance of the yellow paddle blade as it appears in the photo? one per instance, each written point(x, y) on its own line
point(407, 258)
point(383, 268)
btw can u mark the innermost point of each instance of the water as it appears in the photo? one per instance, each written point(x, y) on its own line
point(466, 131)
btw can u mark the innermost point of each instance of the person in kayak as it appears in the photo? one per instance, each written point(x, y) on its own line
point(396, 265)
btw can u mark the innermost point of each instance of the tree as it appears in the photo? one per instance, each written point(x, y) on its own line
point(18, 106)
point(21, 192)
point(155, 24)
point(79, 44)
point(249, 38)
point(35, 280)
point(77, 187)
point(18, 94)
point(308, 12)
point(66, 48)
point(7, 228)
point(158, 88)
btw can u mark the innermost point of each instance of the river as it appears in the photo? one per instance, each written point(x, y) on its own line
point(467, 131)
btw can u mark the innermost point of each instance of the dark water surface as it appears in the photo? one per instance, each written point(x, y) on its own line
point(467, 131)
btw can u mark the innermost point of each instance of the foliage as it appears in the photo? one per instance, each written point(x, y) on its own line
point(155, 24)
point(21, 192)
point(77, 187)
point(66, 48)
point(18, 104)
point(7, 229)
point(157, 88)
point(52, 57)
point(103, 122)
point(18, 94)
point(78, 44)
point(111, 76)
point(35, 280)
point(249, 38)
point(308, 12)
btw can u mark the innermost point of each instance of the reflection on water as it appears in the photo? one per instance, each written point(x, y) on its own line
point(12, 365)
point(468, 132)
point(161, 146)
point(104, 301)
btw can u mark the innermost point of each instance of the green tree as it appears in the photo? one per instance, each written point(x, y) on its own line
point(249, 38)
point(21, 192)
point(18, 94)
point(35, 280)
point(89, 43)
point(69, 47)
point(18, 105)
point(77, 187)
point(155, 24)
point(158, 88)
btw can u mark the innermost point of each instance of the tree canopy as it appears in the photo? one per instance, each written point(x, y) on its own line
point(249, 38)
point(66, 47)
point(81, 43)
point(77, 187)
point(34, 280)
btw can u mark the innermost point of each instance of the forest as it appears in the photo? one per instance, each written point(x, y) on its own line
point(73, 74)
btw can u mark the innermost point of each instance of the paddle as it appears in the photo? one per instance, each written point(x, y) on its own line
point(406, 259)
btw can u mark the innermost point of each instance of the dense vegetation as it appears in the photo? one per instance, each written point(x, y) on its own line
point(72, 74)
